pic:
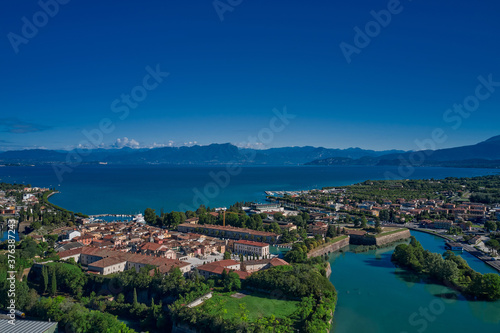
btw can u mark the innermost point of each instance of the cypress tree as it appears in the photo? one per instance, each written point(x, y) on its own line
point(53, 287)
point(45, 277)
point(134, 302)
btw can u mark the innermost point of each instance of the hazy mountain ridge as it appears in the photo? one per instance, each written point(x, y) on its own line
point(484, 154)
point(203, 155)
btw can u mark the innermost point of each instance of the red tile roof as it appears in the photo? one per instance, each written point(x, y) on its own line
point(246, 242)
point(150, 246)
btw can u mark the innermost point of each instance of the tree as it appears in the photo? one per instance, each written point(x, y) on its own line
point(364, 222)
point(227, 255)
point(491, 286)
point(331, 232)
point(150, 215)
point(45, 278)
point(278, 216)
point(134, 298)
point(174, 219)
point(274, 227)
point(120, 298)
point(384, 215)
point(493, 244)
point(490, 226)
point(231, 281)
point(53, 285)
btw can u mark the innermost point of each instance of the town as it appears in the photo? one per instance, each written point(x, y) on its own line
point(291, 228)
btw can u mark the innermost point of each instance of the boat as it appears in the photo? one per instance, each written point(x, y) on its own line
point(139, 218)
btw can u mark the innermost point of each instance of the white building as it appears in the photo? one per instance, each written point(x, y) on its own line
point(70, 234)
point(250, 247)
point(27, 196)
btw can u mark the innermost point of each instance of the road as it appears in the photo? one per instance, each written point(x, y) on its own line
point(480, 255)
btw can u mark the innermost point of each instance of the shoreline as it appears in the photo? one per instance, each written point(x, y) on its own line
point(474, 253)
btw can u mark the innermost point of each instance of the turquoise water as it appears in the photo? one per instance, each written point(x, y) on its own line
point(5, 236)
point(280, 251)
point(376, 297)
point(96, 189)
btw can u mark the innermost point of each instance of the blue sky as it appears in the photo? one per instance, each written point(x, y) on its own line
point(226, 76)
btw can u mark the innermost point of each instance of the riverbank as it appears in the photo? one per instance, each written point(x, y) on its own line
point(449, 270)
point(478, 254)
point(377, 297)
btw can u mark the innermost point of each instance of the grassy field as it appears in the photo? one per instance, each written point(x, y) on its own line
point(385, 233)
point(69, 266)
point(338, 238)
point(254, 305)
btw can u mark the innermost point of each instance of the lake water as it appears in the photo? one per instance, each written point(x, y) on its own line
point(97, 189)
point(377, 297)
point(374, 296)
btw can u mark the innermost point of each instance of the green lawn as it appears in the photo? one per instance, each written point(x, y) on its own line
point(338, 238)
point(69, 266)
point(257, 305)
point(390, 232)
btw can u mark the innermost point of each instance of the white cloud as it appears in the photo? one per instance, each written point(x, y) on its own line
point(125, 142)
point(160, 145)
point(254, 145)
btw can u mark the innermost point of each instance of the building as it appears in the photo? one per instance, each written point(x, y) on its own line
point(317, 228)
point(25, 326)
point(27, 196)
point(107, 261)
point(70, 234)
point(193, 220)
point(85, 239)
point(251, 266)
point(475, 240)
point(266, 207)
point(454, 246)
point(217, 267)
point(108, 265)
point(229, 232)
point(442, 224)
point(68, 246)
point(251, 248)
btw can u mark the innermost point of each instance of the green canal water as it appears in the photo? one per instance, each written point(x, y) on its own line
point(377, 297)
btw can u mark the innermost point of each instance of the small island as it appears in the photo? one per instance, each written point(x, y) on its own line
point(448, 269)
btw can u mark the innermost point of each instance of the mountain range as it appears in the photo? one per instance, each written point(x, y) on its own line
point(214, 154)
point(483, 154)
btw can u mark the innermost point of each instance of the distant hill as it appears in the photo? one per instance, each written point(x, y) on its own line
point(485, 154)
point(214, 154)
